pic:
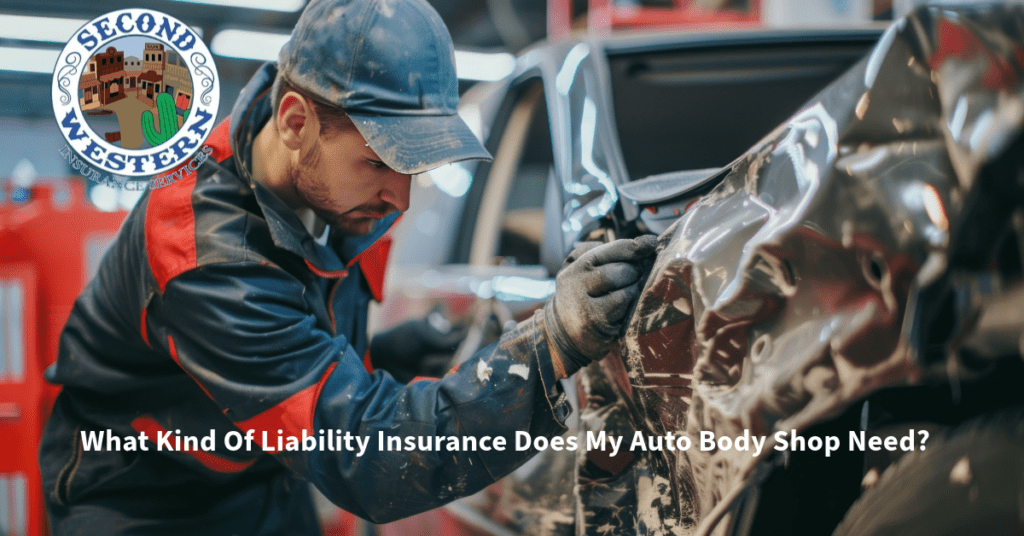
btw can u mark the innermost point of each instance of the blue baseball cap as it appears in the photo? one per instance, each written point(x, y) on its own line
point(390, 65)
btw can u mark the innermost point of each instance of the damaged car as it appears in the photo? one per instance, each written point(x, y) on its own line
point(853, 278)
point(853, 274)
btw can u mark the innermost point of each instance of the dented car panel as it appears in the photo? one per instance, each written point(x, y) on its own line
point(791, 284)
point(429, 272)
point(803, 282)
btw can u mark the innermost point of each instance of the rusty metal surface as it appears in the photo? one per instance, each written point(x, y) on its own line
point(792, 289)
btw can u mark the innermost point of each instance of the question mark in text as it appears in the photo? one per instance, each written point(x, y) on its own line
point(924, 437)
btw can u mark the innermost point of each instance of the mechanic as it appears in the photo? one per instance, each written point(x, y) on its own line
point(235, 301)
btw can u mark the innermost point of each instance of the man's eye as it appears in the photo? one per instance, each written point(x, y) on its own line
point(377, 164)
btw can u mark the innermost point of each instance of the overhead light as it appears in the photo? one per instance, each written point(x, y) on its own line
point(28, 60)
point(483, 66)
point(248, 45)
point(270, 5)
point(263, 46)
point(49, 29)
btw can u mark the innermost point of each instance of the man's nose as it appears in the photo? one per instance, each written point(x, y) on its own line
point(396, 190)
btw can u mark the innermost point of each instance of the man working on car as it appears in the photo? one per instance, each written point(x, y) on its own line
point(235, 302)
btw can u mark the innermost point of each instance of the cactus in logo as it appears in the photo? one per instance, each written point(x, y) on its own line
point(168, 121)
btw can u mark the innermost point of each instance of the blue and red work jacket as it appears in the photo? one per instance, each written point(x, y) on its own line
point(215, 311)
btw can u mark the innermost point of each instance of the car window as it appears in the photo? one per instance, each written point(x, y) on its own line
point(510, 220)
point(703, 107)
point(522, 224)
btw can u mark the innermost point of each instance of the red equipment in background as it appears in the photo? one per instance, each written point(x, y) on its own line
point(51, 241)
point(605, 15)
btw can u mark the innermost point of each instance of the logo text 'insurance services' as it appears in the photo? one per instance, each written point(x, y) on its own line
point(135, 93)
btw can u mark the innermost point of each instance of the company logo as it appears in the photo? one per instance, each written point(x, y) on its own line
point(135, 93)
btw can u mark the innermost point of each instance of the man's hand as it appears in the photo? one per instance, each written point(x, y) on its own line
point(421, 347)
point(594, 292)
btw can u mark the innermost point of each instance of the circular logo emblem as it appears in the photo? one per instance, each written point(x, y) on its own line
point(135, 92)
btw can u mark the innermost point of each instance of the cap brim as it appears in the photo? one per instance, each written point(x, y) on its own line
point(416, 143)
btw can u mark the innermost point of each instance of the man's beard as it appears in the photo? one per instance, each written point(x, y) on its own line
point(317, 197)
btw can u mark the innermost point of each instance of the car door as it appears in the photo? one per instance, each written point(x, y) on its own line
point(470, 247)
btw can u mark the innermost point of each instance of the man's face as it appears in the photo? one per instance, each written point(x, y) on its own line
point(344, 182)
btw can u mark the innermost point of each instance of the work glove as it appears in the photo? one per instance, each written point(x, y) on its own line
point(421, 347)
point(594, 292)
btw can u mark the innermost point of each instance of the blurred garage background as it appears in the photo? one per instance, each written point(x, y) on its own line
point(54, 225)
point(243, 33)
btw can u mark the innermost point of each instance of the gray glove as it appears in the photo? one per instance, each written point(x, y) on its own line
point(594, 292)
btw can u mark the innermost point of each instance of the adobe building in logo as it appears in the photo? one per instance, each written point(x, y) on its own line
point(135, 93)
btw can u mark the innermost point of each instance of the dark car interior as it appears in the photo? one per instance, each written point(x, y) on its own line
point(702, 108)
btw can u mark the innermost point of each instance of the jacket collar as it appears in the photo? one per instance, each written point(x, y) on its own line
point(252, 110)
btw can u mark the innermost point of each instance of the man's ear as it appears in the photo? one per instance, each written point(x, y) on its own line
point(297, 124)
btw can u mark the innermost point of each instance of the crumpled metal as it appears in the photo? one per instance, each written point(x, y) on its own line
point(797, 286)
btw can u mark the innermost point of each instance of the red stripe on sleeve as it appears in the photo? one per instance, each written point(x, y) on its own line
point(293, 415)
point(220, 141)
point(171, 230)
point(170, 220)
point(145, 332)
